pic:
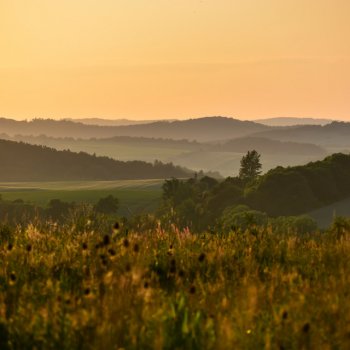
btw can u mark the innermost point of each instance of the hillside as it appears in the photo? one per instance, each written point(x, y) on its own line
point(109, 122)
point(24, 162)
point(325, 215)
point(202, 129)
point(300, 189)
point(332, 136)
point(290, 121)
point(215, 157)
point(268, 146)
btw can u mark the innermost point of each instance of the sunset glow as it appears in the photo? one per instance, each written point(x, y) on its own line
point(147, 59)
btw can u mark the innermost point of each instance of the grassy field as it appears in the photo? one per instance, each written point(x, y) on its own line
point(324, 216)
point(63, 289)
point(135, 196)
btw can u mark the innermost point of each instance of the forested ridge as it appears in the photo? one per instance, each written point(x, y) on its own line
point(23, 162)
point(204, 202)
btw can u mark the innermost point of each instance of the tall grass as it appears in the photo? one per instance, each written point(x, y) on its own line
point(61, 289)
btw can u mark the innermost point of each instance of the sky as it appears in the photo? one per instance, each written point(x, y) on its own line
point(152, 59)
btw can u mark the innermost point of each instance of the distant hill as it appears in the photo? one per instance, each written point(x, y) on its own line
point(24, 162)
point(223, 157)
point(201, 129)
point(268, 146)
point(332, 136)
point(287, 121)
point(110, 122)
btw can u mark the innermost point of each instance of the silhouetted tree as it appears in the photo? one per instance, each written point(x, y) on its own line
point(250, 166)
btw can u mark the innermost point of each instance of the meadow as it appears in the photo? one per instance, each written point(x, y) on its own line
point(78, 287)
point(135, 196)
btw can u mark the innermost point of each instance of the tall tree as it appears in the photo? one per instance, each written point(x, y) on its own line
point(250, 166)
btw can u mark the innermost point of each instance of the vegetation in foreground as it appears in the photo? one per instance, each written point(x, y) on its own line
point(80, 286)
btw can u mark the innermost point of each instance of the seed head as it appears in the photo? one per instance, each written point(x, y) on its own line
point(201, 257)
point(306, 327)
point(111, 252)
point(106, 240)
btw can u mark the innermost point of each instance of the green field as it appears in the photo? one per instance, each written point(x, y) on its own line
point(135, 196)
point(325, 215)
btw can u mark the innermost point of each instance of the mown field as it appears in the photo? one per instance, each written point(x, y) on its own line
point(70, 288)
point(135, 196)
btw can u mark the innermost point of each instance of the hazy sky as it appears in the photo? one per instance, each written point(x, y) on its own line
point(146, 59)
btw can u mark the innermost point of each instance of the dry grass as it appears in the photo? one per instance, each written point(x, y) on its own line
point(60, 289)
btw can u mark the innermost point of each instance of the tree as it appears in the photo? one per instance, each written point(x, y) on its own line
point(107, 205)
point(250, 166)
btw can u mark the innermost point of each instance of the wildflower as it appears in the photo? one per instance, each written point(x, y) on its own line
point(192, 290)
point(116, 227)
point(29, 248)
point(84, 246)
point(201, 257)
point(9, 247)
point(249, 331)
point(136, 248)
point(87, 291)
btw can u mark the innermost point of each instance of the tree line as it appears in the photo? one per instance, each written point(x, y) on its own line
point(23, 162)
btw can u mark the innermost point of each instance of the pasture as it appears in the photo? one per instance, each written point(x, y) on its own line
point(135, 196)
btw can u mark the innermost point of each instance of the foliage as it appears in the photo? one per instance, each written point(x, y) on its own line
point(241, 218)
point(250, 166)
point(107, 205)
point(20, 162)
point(66, 288)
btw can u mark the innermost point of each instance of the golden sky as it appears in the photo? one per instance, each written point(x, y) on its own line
point(147, 59)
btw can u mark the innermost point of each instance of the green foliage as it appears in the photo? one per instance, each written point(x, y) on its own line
point(107, 205)
point(340, 226)
point(241, 218)
point(293, 224)
point(250, 166)
point(20, 162)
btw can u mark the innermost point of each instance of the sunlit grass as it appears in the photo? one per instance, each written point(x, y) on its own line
point(61, 289)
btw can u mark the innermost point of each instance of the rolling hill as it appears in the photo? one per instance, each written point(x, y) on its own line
point(334, 136)
point(24, 162)
point(221, 157)
point(202, 129)
point(290, 121)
